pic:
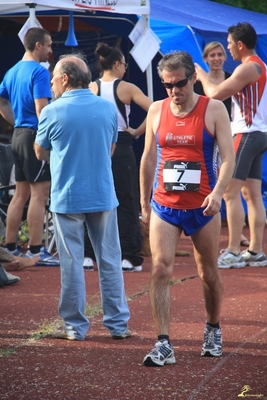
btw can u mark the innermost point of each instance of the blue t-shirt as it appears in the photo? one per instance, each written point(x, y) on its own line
point(79, 128)
point(22, 84)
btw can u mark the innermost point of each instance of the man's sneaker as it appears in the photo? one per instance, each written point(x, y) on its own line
point(124, 335)
point(257, 260)
point(46, 259)
point(129, 267)
point(11, 278)
point(15, 253)
point(230, 260)
point(212, 345)
point(88, 264)
point(161, 354)
point(3, 276)
point(62, 334)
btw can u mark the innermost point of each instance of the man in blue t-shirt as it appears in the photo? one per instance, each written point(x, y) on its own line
point(25, 91)
point(77, 135)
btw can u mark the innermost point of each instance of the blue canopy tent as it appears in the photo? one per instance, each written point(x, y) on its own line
point(190, 24)
point(187, 24)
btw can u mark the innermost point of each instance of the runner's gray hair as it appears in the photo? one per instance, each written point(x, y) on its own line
point(176, 60)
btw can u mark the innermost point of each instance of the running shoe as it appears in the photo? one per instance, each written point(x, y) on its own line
point(10, 278)
point(230, 260)
point(254, 260)
point(161, 354)
point(6, 278)
point(63, 334)
point(212, 346)
point(88, 264)
point(129, 267)
point(16, 252)
point(124, 335)
point(46, 259)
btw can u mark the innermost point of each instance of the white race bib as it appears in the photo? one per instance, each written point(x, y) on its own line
point(182, 175)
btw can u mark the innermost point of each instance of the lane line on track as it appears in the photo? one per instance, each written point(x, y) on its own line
point(208, 377)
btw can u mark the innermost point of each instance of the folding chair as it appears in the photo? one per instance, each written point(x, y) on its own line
point(6, 164)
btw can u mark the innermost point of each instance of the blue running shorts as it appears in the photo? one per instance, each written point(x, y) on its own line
point(190, 221)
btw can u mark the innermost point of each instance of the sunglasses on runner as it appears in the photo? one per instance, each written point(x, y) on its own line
point(178, 84)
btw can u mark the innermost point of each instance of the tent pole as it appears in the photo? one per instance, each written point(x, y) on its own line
point(149, 68)
point(32, 15)
point(197, 44)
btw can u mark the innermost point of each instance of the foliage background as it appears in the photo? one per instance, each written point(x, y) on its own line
point(252, 5)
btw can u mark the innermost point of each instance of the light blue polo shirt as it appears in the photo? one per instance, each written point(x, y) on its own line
point(79, 128)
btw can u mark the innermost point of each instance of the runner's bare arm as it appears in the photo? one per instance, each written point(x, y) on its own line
point(41, 153)
point(148, 161)
point(6, 111)
point(217, 122)
point(243, 75)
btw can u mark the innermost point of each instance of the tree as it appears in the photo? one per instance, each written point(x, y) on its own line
point(252, 5)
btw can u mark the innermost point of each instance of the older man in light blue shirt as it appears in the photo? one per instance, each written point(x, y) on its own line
point(77, 134)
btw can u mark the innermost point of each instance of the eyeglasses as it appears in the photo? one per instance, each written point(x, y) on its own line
point(178, 84)
point(125, 65)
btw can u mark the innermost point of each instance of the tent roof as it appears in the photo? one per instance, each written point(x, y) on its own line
point(205, 15)
point(123, 6)
point(190, 24)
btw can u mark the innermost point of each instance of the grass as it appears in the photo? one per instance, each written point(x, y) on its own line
point(4, 352)
point(92, 309)
point(182, 280)
point(45, 329)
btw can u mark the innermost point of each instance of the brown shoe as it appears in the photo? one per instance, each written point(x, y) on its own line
point(124, 335)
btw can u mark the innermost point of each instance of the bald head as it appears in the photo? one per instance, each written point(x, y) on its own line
point(76, 69)
point(76, 60)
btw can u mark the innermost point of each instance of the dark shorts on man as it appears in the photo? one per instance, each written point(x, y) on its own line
point(27, 167)
point(249, 150)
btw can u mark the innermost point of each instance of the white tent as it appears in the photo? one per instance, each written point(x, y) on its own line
point(136, 7)
point(114, 6)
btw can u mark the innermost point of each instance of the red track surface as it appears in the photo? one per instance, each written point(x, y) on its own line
point(102, 368)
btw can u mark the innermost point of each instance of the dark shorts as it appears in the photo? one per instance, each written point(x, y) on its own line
point(249, 150)
point(190, 221)
point(27, 167)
